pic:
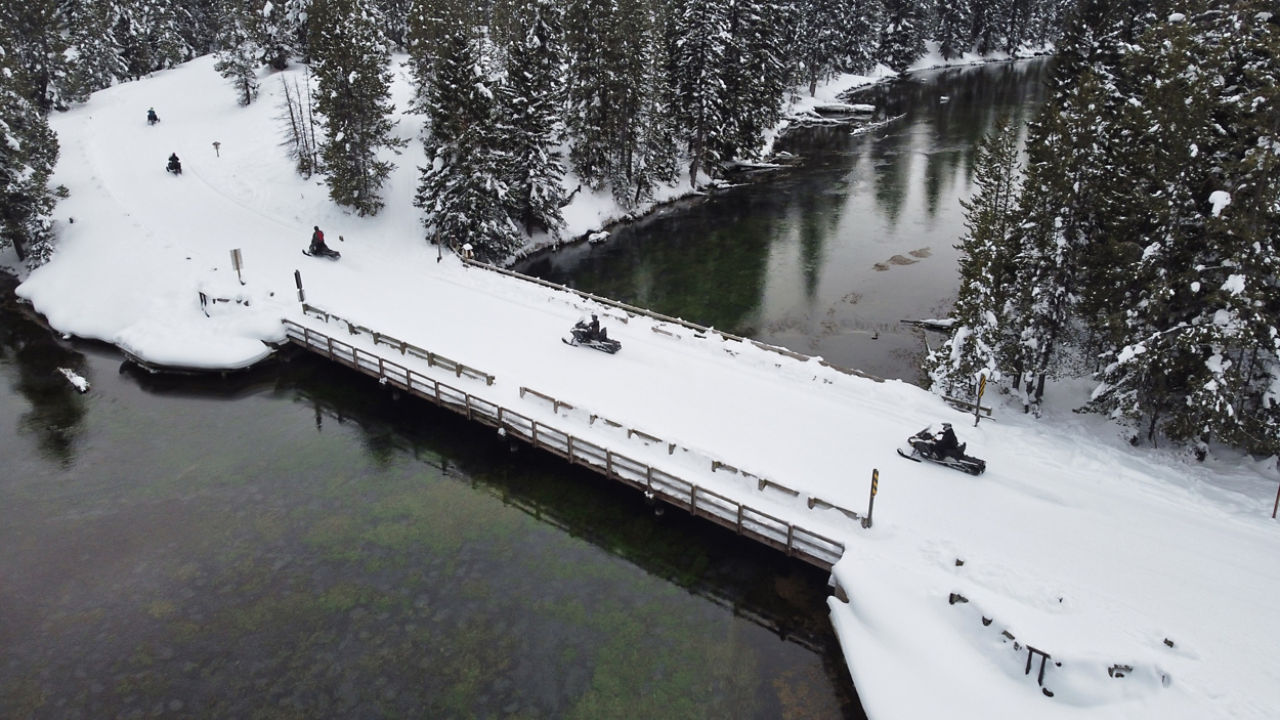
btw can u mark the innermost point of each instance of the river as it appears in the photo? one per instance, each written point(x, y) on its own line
point(826, 258)
point(297, 541)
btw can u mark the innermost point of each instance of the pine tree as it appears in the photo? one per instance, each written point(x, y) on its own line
point(955, 21)
point(462, 190)
point(149, 34)
point(902, 38)
point(283, 30)
point(701, 29)
point(593, 86)
point(857, 41)
point(100, 62)
point(353, 96)
point(754, 75)
point(531, 110)
point(1153, 344)
point(979, 341)
point(39, 31)
point(816, 52)
point(1066, 262)
point(28, 153)
point(240, 54)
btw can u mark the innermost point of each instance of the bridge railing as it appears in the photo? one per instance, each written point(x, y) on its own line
point(433, 359)
point(700, 329)
point(654, 482)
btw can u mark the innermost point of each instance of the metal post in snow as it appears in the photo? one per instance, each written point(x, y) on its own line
point(977, 404)
point(297, 278)
point(1277, 505)
point(875, 482)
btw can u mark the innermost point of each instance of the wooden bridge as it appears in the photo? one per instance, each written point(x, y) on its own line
point(655, 483)
point(669, 446)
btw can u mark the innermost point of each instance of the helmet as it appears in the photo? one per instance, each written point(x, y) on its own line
point(946, 426)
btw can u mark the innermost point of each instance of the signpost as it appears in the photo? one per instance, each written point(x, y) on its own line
point(237, 262)
point(875, 483)
point(977, 404)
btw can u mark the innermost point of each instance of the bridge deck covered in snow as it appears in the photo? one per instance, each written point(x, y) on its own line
point(696, 448)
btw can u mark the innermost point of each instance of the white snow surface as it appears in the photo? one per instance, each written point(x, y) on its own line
point(1219, 200)
point(1073, 542)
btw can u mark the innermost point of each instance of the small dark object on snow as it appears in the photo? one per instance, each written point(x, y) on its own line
point(592, 335)
point(152, 117)
point(175, 165)
point(926, 445)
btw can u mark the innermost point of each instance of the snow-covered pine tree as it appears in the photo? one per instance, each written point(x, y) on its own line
point(986, 23)
point(593, 85)
point(979, 341)
point(530, 108)
point(353, 95)
point(28, 152)
point(283, 30)
point(240, 54)
point(39, 32)
point(655, 158)
point(1150, 302)
point(99, 61)
point(857, 35)
point(395, 16)
point(1065, 195)
point(1234, 395)
point(902, 37)
point(701, 30)
point(201, 24)
point(955, 23)
point(754, 75)
point(816, 51)
point(462, 190)
point(149, 33)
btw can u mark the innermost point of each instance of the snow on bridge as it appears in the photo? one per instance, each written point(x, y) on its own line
point(703, 420)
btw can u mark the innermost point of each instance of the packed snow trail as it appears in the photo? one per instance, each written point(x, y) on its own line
point(1073, 542)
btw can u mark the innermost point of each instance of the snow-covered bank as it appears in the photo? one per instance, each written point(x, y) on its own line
point(1071, 543)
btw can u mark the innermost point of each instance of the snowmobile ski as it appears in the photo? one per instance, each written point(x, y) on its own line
point(332, 254)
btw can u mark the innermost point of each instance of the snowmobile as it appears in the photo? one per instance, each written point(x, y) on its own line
point(174, 167)
point(923, 446)
point(322, 252)
point(592, 335)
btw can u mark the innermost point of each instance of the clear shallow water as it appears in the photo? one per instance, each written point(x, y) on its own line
point(295, 542)
point(826, 258)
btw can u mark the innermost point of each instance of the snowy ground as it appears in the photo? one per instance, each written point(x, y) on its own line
point(1072, 542)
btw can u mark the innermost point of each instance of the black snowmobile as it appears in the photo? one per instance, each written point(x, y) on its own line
point(174, 166)
point(924, 446)
point(592, 335)
point(324, 252)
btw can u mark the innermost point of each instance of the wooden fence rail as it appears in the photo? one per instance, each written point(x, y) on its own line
point(433, 359)
point(760, 526)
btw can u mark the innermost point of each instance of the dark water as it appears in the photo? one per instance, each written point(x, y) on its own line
point(295, 542)
point(829, 257)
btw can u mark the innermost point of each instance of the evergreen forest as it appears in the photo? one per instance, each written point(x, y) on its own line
point(1135, 242)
